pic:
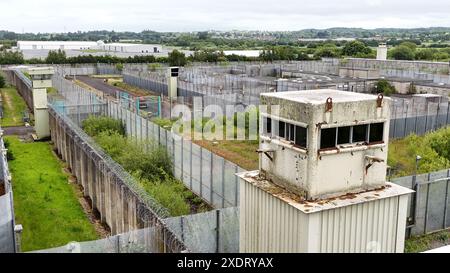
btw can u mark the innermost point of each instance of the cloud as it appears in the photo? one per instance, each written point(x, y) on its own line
point(179, 15)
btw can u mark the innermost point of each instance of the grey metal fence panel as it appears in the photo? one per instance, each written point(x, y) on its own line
point(435, 210)
point(207, 162)
point(178, 159)
point(218, 181)
point(187, 162)
point(421, 205)
point(230, 184)
point(209, 232)
point(7, 242)
point(196, 168)
point(229, 230)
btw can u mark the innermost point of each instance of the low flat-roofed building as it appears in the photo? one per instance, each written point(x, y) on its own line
point(55, 45)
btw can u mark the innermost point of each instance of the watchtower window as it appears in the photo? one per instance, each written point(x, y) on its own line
point(327, 138)
point(376, 132)
point(281, 129)
point(344, 135)
point(359, 133)
point(300, 136)
point(267, 125)
point(291, 132)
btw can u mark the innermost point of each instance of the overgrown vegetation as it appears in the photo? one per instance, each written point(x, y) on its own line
point(45, 203)
point(417, 244)
point(14, 107)
point(384, 87)
point(147, 162)
point(434, 148)
point(2, 80)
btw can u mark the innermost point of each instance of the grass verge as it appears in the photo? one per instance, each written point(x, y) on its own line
point(45, 203)
point(426, 242)
point(13, 107)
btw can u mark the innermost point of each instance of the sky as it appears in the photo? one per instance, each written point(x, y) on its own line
point(198, 15)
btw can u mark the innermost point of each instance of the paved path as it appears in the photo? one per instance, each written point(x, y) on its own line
point(100, 85)
point(18, 130)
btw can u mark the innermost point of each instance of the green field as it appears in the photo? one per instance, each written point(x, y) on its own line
point(45, 202)
point(13, 107)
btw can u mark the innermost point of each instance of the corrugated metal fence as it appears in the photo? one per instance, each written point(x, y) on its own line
point(429, 206)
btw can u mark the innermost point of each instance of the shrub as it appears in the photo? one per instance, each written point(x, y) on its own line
point(9, 154)
point(93, 125)
point(119, 66)
point(2, 81)
point(383, 86)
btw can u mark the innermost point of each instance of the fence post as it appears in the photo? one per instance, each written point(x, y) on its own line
point(217, 230)
point(201, 172)
point(182, 228)
point(190, 167)
point(426, 206)
point(446, 200)
point(223, 182)
point(117, 241)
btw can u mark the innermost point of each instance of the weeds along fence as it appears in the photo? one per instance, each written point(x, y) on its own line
point(23, 85)
point(429, 206)
point(8, 242)
point(121, 203)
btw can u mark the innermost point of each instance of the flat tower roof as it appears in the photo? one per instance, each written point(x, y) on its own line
point(320, 96)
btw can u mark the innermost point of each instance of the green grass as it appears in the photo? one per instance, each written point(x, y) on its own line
point(44, 202)
point(426, 242)
point(13, 107)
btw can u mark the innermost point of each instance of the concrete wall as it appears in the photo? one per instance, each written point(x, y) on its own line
point(422, 66)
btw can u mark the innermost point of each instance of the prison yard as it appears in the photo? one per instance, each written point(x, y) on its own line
point(115, 159)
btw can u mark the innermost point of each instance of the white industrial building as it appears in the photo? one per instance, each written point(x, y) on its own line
point(81, 45)
point(130, 48)
point(55, 45)
point(321, 184)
